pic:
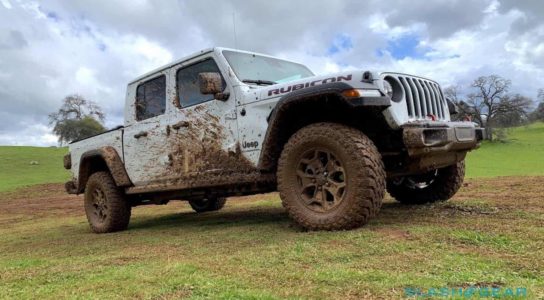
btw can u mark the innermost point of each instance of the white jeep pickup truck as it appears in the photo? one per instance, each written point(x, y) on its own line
point(224, 122)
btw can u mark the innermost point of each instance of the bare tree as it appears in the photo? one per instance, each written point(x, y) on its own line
point(538, 113)
point(77, 118)
point(76, 107)
point(512, 111)
point(491, 100)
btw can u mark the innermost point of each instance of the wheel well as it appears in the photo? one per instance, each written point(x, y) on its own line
point(88, 166)
point(102, 159)
point(289, 118)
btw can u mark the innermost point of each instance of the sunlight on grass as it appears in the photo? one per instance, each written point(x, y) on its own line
point(21, 166)
point(522, 155)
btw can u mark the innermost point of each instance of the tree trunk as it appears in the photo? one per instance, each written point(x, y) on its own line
point(489, 133)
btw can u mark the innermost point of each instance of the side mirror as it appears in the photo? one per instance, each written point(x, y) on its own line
point(211, 84)
point(452, 107)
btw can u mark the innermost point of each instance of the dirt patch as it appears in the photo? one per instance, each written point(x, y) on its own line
point(184, 292)
point(41, 200)
point(393, 233)
point(468, 209)
point(481, 284)
point(493, 197)
point(525, 193)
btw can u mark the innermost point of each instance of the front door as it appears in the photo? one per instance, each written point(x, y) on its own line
point(204, 132)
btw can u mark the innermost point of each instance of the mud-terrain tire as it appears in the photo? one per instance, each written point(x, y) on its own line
point(207, 204)
point(444, 183)
point(105, 205)
point(330, 177)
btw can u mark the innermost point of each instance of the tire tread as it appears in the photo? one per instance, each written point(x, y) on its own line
point(118, 207)
point(369, 187)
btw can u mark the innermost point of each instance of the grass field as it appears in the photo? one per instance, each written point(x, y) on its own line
point(521, 155)
point(16, 169)
point(491, 234)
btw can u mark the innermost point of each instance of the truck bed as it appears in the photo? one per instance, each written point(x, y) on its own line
point(113, 138)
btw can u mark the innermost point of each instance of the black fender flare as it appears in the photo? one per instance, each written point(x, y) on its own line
point(324, 92)
point(112, 161)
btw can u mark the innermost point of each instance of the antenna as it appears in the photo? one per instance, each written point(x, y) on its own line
point(234, 29)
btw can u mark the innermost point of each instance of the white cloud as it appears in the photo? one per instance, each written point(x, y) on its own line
point(32, 134)
point(378, 24)
point(50, 49)
point(6, 4)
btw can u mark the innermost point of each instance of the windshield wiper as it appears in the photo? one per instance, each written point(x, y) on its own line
point(259, 81)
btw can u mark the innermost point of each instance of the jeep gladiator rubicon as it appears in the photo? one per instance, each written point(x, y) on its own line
point(225, 122)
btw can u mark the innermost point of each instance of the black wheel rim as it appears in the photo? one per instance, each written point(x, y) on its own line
point(99, 205)
point(321, 180)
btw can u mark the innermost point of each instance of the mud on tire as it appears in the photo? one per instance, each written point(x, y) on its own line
point(106, 208)
point(439, 185)
point(207, 204)
point(330, 177)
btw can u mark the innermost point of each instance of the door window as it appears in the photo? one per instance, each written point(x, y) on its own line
point(151, 98)
point(188, 86)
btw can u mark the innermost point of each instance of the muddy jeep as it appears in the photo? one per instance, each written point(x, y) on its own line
point(225, 122)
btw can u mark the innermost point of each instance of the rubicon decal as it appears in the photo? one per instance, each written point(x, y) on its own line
point(299, 86)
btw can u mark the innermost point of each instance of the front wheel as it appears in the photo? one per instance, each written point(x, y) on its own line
point(437, 185)
point(105, 205)
point(330, 177)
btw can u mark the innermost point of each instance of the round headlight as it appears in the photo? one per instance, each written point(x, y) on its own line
point(388, 88)
point(393, 88)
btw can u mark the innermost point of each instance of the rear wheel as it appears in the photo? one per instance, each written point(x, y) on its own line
point(208, 204)
point(330, 177)
point(105, 205)
point(437, 185)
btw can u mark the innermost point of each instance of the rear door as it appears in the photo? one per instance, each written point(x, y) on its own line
point(146, 156)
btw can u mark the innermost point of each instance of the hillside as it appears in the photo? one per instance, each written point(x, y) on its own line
point(17, 170)
point(522, 155)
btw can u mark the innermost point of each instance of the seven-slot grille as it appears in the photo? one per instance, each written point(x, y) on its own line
point(423, 97)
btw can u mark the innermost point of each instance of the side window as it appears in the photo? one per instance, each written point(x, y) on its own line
point(187, 82)
point(151, 98)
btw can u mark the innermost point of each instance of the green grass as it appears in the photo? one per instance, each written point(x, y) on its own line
point(521, 155)
point(489, 235)
point(16, 169)
point(251, 250)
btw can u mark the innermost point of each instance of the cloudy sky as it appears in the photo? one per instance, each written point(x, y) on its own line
point(49, 49)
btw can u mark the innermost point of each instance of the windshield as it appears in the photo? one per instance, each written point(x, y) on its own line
point(252, 68)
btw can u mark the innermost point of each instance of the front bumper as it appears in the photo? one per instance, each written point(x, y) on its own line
point(431, 137)
point(431, 145)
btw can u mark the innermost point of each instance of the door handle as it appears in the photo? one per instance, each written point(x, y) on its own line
point(140, 134)
point(178, 125)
